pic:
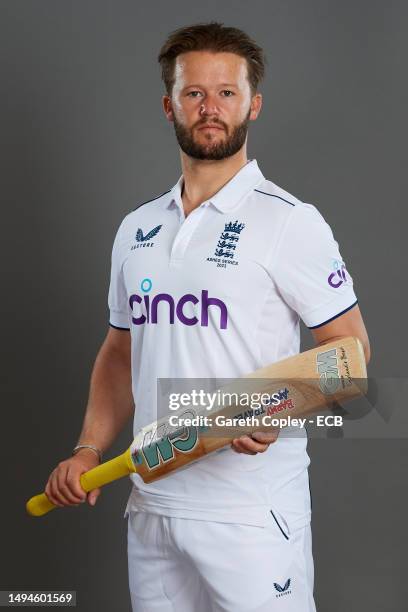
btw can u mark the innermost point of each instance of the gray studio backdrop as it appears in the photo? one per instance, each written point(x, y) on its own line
point(84, 141)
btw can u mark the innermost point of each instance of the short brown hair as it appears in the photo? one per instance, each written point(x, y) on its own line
point(212, 36)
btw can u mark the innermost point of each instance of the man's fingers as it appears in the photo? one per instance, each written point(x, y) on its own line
point(239, 448)
point(266, 437)
point(64, 483)
point(245, 444)
point(64, 487)
point(258, 442)
point(54, 494)
point(58, 490)
point(57, 495)
point(50, 494)
point(73, 480)
point(93, 496)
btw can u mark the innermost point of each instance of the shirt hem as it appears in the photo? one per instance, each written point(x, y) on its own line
point(258, 517)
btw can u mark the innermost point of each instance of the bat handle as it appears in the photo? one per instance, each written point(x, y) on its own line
point(92, 479)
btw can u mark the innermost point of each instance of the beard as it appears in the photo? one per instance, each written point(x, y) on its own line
point(212, 150)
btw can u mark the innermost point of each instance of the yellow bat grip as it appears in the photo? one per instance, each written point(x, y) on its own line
point(93, 479)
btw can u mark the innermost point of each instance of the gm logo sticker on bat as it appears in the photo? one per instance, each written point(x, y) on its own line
point(327, 367)
point(161, 450)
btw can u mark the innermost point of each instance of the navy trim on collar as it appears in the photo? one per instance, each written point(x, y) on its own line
point(275, 196)
point(152, 200)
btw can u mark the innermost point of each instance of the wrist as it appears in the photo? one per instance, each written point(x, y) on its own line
point(89, 448)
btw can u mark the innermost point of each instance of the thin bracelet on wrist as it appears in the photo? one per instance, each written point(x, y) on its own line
point(94, 448)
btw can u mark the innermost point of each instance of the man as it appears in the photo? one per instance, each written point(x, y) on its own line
point(210, 279)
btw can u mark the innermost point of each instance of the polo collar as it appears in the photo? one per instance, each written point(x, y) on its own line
point(244, 181)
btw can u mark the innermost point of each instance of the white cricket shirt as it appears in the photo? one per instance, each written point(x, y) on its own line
point(219, 294)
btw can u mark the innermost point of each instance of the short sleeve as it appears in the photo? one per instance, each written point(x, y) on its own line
point(117, 296)
point(308, 269)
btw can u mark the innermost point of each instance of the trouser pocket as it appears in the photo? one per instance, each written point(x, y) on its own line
point(280, 524)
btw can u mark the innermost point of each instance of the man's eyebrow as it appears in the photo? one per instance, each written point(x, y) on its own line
point(220, 85)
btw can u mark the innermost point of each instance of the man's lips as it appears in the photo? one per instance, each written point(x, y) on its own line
point(211, 127)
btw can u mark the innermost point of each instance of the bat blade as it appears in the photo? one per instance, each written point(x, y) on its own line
point(314, 379)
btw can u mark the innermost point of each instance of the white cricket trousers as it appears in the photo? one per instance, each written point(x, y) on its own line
point(186, 565)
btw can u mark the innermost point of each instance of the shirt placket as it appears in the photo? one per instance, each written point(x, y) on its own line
point(187, 228)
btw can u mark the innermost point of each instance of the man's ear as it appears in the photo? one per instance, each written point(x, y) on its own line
point(167, 107)
point(256, 105)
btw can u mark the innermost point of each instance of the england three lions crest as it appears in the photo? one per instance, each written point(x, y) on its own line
point(226, 246)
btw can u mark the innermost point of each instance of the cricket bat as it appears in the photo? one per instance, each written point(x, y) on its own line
point(299, 386)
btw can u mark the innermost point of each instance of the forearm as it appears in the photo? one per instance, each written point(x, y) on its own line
point(349, 324)
point(110, 403)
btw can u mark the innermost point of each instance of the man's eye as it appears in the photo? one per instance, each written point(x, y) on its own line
point(228, 91)
point(190, 93)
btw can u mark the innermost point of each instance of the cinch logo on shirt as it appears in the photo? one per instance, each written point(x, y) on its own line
point(175, 308)
point(338, 277)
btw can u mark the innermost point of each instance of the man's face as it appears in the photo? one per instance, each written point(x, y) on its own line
point(211, 104)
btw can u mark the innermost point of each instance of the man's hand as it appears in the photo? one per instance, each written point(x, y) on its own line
point(64, 488)
point(258, 442)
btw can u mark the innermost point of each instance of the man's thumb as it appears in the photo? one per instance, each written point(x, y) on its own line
point(93, 496)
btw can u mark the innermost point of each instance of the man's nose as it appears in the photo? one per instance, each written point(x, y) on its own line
point(209, 106)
